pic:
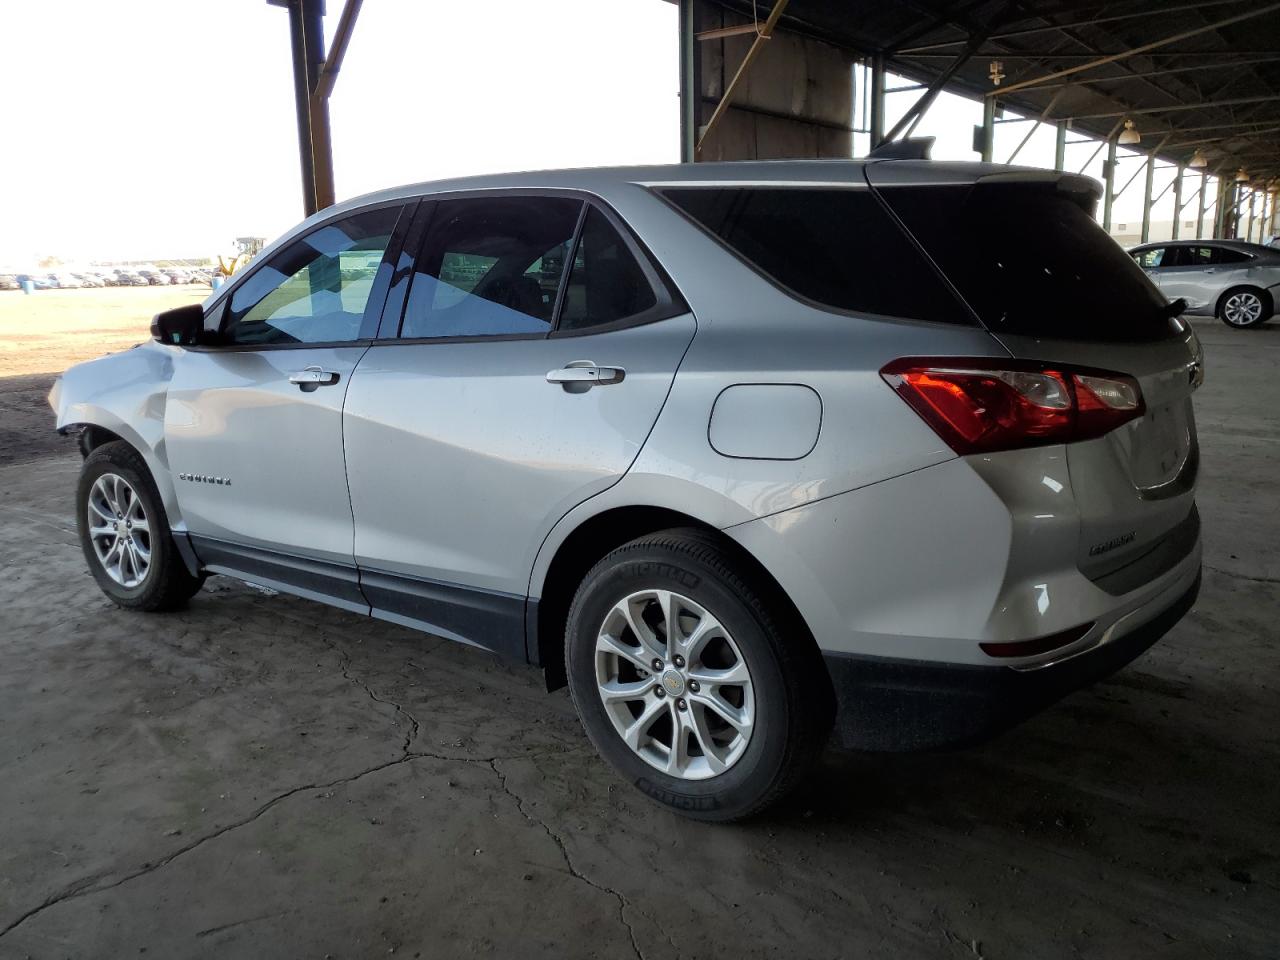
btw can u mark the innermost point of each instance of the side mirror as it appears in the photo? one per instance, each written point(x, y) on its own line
point(182, 326)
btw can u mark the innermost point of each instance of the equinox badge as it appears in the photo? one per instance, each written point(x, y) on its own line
point(204, 478)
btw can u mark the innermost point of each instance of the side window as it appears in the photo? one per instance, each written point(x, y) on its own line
point(606, 283)
point(490, 266)
point(1151, 258)
point(315, 290)
point(1227, 255)
point(1198, 256)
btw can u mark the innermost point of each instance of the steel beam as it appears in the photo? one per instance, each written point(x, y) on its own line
point(690, 95)
point(302, 104)
point(1090, 22)
point(1204, 187)
point(1146, 194)
point(988, 130)
point(1177, 201)
point(318, 107)
point(1109, 182)
point(1143, 48)
point(1060, 146)
point(762, 37)
point(338, 51)
point(1163, 72)
point(877, 99)
point(1237, 101)
point(1035, 125)
point(719, 33)
point(917, 109)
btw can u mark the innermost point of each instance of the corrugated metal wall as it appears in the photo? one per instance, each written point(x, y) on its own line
point(795, 101)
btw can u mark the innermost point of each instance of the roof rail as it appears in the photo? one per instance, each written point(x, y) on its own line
point(912, 148)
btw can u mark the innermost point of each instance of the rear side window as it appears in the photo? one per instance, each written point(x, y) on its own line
point(490, 267)
point(606, 284)
point(1032, 261)
point(1227, 255)
point(835, 246)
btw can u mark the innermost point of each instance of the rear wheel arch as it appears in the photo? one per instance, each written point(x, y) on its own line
point(1268, 302)
point(603, 533)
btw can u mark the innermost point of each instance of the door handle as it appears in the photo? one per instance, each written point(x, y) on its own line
point(583, 374)
point(313, 377)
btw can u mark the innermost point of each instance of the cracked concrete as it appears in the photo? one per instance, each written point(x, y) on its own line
point(258, 776)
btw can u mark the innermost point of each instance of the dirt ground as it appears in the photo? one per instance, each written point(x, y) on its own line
point(259, 776)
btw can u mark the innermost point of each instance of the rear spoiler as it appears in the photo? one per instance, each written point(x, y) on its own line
point(1067, 182)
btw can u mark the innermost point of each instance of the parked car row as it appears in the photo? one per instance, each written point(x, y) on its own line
point(122, 277)
point(1235, 281)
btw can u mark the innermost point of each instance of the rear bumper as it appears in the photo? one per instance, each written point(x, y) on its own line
point(890, 704)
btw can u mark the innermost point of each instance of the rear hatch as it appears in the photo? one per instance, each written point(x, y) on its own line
point(1025, 253)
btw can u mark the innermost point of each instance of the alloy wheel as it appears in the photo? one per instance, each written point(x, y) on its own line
point(1242, 309)
point(119, 530)
point(674, 684)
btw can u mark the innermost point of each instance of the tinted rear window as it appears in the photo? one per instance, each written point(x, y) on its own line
point(837, 247)
point(1030, 260)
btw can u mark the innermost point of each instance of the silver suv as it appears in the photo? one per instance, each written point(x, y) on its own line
point(742, 452)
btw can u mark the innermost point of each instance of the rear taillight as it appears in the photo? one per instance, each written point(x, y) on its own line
point(979, 405)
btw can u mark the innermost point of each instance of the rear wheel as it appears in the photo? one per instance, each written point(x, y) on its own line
point(1244, 307)
point(688, 682)
point(125, 533)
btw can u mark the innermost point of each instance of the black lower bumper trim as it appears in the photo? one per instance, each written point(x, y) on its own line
point(888, 704)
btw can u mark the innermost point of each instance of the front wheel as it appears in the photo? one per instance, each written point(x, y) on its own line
point(1244, 307)
point(690, 682)
point(125, 533)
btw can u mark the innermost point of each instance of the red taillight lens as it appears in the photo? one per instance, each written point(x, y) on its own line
point(979, 405)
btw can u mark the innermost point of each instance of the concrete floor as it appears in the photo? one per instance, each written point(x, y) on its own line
point(263, 777)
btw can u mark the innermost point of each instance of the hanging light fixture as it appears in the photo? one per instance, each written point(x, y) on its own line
point(1242, 175)
point(1198, 160)
point(996, 72)
point(1129, 134)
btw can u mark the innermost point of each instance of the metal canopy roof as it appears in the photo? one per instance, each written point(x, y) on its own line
point(1207, 76)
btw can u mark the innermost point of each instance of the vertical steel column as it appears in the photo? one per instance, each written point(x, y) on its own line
point(1177, 201)
point(877, 100)
point(1146, 196)
point(988, 128)
point(1204, 186)
point(1109, 181)
point(302, 103)
point(1220, 215)
point(689, 92)
point(1253, 194)
point(318, 107)
point(1060, 148)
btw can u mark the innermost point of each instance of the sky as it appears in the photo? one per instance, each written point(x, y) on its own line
point(141, 129)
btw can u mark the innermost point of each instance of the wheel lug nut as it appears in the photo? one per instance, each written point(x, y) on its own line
point(678, 660)
point(657, 665)
point(693, 686)
point(681, 705)
point(659, 692)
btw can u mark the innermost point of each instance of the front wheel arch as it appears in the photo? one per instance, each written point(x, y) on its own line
point(90, 436)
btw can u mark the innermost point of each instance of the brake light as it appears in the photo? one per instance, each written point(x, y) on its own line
point(980, 405)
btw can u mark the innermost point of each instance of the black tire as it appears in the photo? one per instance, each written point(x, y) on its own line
point(167, 584)
point(793, 700)
point(1266, 307)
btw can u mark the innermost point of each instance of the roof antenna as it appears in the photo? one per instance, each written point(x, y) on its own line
point(912, 148)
